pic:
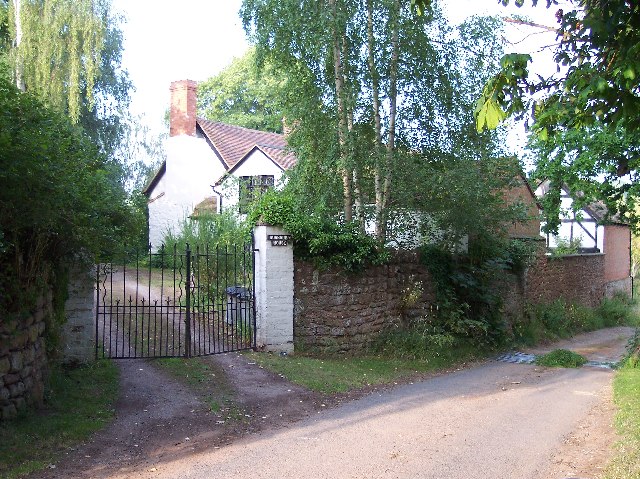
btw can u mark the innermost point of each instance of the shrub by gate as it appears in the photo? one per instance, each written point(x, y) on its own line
point(177, 302)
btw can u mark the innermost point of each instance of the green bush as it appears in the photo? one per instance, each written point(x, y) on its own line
point(59, 197)
point(419, 339)
point(318, 237)
point(561, 358)
point(617, 311)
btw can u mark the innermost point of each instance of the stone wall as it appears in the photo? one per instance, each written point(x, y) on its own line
point(337, 311)
point(23, 359)
point(575, 278)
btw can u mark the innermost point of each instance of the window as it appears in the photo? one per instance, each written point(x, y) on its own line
point(251, 187)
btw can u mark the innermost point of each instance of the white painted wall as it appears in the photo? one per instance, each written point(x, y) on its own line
point(274, 291)
point(192, 167)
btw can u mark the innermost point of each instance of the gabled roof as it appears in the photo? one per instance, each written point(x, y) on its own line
point(234, 142)
point(156, 179)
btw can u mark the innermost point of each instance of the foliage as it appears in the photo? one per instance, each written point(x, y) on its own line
point(586, 117)
point(244, 95)
point(626, 461)
point(561, 358)
point(57, 47)
point(378, 100)
point(468, 304)
point(566, 246)
point(78, 402)
point(318, 237)
point(59, 195)
point(458, 198)
point(548, 322)
point(220, 252)
point(68, 54)
point(209, 230)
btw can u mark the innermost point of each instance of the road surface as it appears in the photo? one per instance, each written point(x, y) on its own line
point(497, 420)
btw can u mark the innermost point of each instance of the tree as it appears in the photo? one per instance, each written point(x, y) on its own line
point(374, 88)
point(59, 195)
point(594, 100)
point(243, 94)
point(68, 53)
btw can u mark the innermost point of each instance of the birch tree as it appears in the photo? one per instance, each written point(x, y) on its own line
point(374, 86)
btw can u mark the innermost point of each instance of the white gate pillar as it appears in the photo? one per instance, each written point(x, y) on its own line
point(274, 289)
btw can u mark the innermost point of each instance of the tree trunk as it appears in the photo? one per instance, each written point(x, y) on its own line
point(393, 100)
point(342, 114)
point(378, 174)
point(18, 41)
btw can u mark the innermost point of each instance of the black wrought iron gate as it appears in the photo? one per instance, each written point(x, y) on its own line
point(176, 302)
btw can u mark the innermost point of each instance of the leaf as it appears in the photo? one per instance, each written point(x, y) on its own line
point(543, 134)
point(630, 73)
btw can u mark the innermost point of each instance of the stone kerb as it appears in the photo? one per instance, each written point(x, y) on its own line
point(274, 289)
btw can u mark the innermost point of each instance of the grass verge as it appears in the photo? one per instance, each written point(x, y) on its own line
point(343, 374)
point(79, 401)
point(626, 463)
point(626, 387)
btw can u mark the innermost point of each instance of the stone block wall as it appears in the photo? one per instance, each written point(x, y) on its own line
point(575, 278)
point(23, 359)
point(335, 311)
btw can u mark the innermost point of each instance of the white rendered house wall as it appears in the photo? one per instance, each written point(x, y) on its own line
point(191, 169)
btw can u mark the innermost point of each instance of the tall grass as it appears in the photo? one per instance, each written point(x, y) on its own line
point(548, 322)
point(224, 229)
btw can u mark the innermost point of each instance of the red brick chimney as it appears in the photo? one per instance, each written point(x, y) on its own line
point(182, 117)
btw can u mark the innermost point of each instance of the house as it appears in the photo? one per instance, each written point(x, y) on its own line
point(522, 195)
point(590, 228)
point(209, 166)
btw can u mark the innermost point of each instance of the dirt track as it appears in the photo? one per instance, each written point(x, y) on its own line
point(531, 421)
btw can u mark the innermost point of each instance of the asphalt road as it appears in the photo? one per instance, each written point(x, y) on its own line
point(494, 421)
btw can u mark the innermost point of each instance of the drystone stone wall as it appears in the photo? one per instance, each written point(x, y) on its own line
point(23, 359)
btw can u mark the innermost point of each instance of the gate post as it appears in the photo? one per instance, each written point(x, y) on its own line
point(273, 289)
point(78, 332)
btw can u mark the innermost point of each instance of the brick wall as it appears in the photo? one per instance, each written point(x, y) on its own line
point(617, 250)
point(23, 359)
point(342, 312)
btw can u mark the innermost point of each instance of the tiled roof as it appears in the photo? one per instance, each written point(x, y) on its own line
point(234, 142)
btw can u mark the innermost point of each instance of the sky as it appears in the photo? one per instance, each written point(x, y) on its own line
point(167, 40)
